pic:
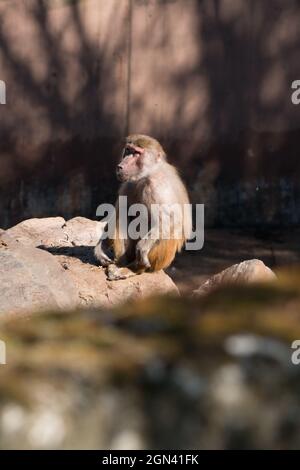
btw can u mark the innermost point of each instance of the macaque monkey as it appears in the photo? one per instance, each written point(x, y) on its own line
point(147, 178)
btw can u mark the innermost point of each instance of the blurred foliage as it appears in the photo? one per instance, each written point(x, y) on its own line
point(167, 368)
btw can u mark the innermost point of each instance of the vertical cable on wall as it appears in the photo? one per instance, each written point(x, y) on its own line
point(129, 48)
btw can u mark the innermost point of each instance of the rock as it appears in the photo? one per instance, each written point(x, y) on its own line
point(55, 231)
point(32, 279)
point(49, 263)
point(249, 271)
point(83, 231)
point(95, 290)
point(35, 232)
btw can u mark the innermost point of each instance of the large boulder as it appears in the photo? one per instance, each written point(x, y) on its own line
point(49, 263)
point(247, 272)
point(31, 278)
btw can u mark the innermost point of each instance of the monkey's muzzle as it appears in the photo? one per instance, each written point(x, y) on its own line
point(121, 175)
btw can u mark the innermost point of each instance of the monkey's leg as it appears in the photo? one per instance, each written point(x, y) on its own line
point(162, 254)
point(155, 253)
point(141, 262)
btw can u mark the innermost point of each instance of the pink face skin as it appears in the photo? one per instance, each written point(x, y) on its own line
point(130, 168)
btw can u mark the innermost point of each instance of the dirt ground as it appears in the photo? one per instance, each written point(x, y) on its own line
point(224, 247)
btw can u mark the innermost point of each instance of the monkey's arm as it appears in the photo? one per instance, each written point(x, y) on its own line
point(102, 250)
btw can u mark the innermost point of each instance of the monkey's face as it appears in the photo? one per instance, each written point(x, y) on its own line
point(130, 164)
point(136, 162)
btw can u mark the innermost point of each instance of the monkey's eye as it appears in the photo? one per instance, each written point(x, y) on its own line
point(127, 151)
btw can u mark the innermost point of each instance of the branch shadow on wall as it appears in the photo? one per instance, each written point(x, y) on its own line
point(248, 166)
point(57, 136)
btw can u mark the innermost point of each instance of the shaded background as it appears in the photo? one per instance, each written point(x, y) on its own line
point(210, 78)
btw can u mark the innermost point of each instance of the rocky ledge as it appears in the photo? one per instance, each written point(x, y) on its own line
point(49, 264)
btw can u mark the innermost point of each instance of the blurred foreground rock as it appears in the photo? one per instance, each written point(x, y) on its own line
point(49, 263)
point(213, 372)
point(247, 272)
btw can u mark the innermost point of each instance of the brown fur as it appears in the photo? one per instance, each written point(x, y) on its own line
point(145, 142)
point(154, 181)
point(162, 254)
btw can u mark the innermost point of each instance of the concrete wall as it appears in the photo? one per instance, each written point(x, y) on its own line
point(210, 78)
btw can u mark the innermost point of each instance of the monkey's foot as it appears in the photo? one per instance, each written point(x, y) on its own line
point(115, 274)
